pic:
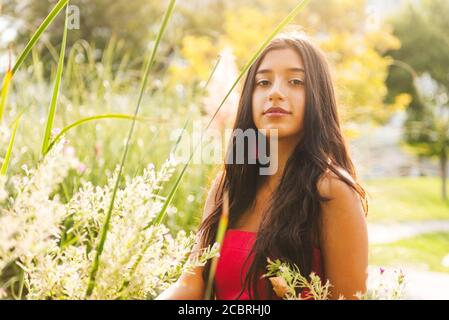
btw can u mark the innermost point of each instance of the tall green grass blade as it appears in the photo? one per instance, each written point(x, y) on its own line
point(105, 227)
point(145, 248)
point(5, 164)
point(93, 118)
point(4, 93)
point(278, 28)
point(211, 74)
point(178, 141)
point(54, 98)
point(222, 226)
point(203, 89)
point(44, 25)
point(173, 190)
point(173, 151)
point(47, 21)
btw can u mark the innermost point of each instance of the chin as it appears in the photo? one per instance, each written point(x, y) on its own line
point(281, 130)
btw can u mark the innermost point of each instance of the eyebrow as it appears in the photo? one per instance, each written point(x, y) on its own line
point(289, 69)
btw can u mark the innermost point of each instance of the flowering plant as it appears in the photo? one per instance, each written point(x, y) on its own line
point(49, 245)
point(287, 281)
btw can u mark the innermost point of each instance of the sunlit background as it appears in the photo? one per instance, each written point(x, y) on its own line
point(390, 63)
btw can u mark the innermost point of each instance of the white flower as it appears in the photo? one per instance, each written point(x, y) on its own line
point(56, 243)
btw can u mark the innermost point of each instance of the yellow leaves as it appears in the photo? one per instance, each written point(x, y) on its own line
point(360, 72)
point(245, 29)
point(199, 54)
point(356, 55)
point(383, 39)
point(401, 101)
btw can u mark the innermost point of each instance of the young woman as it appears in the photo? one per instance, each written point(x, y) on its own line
point(312, 211)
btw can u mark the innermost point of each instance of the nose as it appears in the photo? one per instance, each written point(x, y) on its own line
point(276, 91)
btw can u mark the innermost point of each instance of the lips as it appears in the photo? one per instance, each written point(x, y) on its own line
point(276, 110)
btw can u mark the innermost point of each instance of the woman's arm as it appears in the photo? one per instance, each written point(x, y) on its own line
point(191, 286)
point(188, 287)
point(344, 238)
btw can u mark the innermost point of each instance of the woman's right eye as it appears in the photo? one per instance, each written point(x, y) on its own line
point(263, 83)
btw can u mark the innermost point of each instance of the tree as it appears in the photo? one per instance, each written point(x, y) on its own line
point(357, 55)
point(424, 54)
point(135, 22)
point(99, 20)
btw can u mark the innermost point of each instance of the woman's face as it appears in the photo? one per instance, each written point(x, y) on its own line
point(279, 95)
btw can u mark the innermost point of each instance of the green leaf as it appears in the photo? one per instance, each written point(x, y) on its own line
point(105, 227)
point(40, 30)
point(222, 226)
point(4, 93)
point(54, 98)
point(173, 151)
point(5, 164)
point(93, 118)
point(45, 24)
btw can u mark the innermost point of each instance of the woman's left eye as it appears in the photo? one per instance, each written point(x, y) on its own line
point(296, 82)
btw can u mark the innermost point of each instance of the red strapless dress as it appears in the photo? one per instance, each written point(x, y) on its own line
point(231, 267)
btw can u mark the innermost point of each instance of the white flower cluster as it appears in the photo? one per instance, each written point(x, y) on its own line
point(29, 225)
point(55, 243)
point(385, 285)
point(287, 280)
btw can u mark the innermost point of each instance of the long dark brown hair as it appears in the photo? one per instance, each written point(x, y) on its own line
point(290, 226)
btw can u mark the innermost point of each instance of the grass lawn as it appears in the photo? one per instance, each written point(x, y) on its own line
point(405, 199)
point(424, 252)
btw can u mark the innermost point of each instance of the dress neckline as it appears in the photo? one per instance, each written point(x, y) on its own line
point(242, 231)
point(315, 248)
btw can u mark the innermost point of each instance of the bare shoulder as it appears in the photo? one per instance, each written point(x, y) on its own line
point(343, 236)
point(330, 185)
point(344, 209)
